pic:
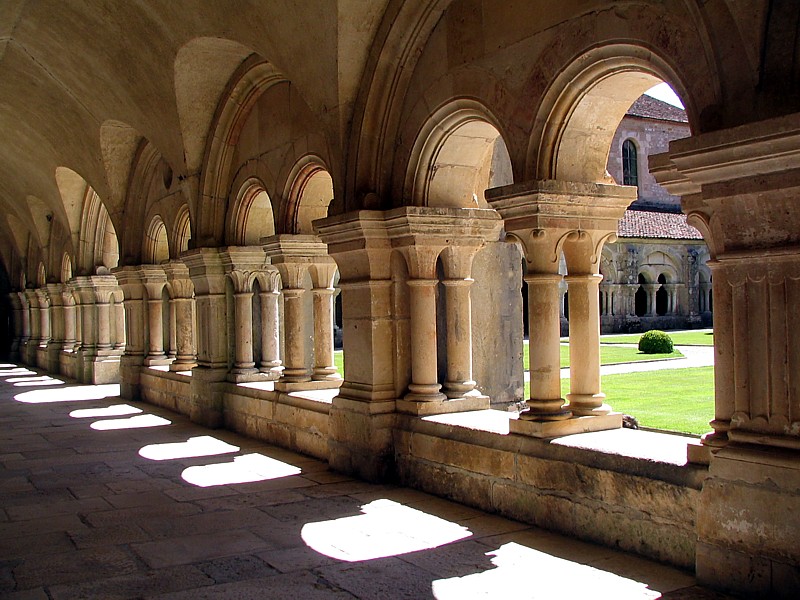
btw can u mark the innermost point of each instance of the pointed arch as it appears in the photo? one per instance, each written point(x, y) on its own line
point(251, 217)
point(309, 194)
point(182, 232)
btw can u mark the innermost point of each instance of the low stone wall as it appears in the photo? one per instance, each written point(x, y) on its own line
point(286, 420)
point(166, 389)
point(631, 504)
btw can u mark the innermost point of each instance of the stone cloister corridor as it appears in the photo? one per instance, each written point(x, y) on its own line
point(200, 198)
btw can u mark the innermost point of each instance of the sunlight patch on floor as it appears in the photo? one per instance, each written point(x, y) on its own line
point(115, 410)
point(203, 445)
point(522, 572)
point(34, 381)
point(137, 422)
point(69, 394)
point(386, 528)
point(244, 469)
point(17, 372)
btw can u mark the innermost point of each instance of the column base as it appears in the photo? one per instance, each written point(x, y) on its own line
point(588, 405)
point(183, 365)
point(327, 374)
point(442, 405)
point(545, 409)
point(552, 429)
point(157, 361)
point(245, 375)
point(307, 385)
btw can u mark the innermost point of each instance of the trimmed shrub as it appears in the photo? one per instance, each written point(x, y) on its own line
point(655, 342)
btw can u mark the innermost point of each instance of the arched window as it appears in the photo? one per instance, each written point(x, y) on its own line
point(630, 164)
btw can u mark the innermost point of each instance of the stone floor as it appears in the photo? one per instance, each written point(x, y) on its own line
point(105, 499)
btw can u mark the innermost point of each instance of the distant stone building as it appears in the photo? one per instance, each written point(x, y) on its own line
point(655, 275)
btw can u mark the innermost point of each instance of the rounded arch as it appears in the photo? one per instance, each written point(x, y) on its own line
point(580, 111)
point(66, 268)
point(252, 78)
point(459, 152)
point(155, 247)
point(41, 275)
point(182, 231)
point(98, 246)
point(251, 217)
point(309, 195)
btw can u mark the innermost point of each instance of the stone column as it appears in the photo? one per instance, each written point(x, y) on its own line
point(457, 265)
point(299, 259)
point(322, 274)
point(271, 364)
point(544, 295)
point(43, 301)
point(651, 289)
point(97, 361)
point(154, 279)
point(184, 323)
point(25, 319)
point(548, 218)
point(173, 329)
point(244, 367)
point(119, 321)
point(55, 293)
point(585, 397)
point(424, 386)
point(35, 327)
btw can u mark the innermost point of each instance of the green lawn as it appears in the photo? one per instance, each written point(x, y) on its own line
point(701, 337)
point(609, 355)
point(675, 400)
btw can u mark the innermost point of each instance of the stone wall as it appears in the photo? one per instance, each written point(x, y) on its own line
point(639, 506)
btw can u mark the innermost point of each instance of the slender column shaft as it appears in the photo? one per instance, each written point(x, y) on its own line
point(324, 368)
point(173, 327)
point(585, 397)
point(26, 318)
point(185, 358)
point(459, 338)
point(544, 295)
point(424, 377)
point(243, 314)
point(119, 327)
point(103, 314)
point(155, 317)
point(44, 322)
point(270, 333)
point(295, 369)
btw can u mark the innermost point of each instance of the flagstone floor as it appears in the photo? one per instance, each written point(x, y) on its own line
point(104, 499)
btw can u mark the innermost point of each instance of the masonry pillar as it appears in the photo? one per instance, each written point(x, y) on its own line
point(35, 324)
point(740, 188)
point(550, 217)
point(97, 361)
point(56, 345)
point(207, 272)
point(16, 307)
point(131, 281)
point(362, 415)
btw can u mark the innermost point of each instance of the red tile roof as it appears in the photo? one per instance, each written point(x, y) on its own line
point(648, 224)
point(652, 108)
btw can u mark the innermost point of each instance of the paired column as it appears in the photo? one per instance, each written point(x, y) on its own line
point(585, 397)
point(244, 367)
point(182, 316)
point(322, 274)
point(154, 279)
point(271, 364)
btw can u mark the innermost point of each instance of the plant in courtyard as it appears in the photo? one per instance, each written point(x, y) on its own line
point(655, 342)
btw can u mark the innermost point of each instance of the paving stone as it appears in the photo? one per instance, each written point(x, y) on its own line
point(74, 566)
point(268, 498)
point(41, 525)
point(64, 507)
point(298, 558)
point(114, 535)
point(195, 548)
point(35, 594)
point(207, 522)
point(141, 513)
point(43, 543)
point(305, 586)
point(235, 568)
point(380, 579)
point(135, 585)
point(133, 500)
point(452, 560)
